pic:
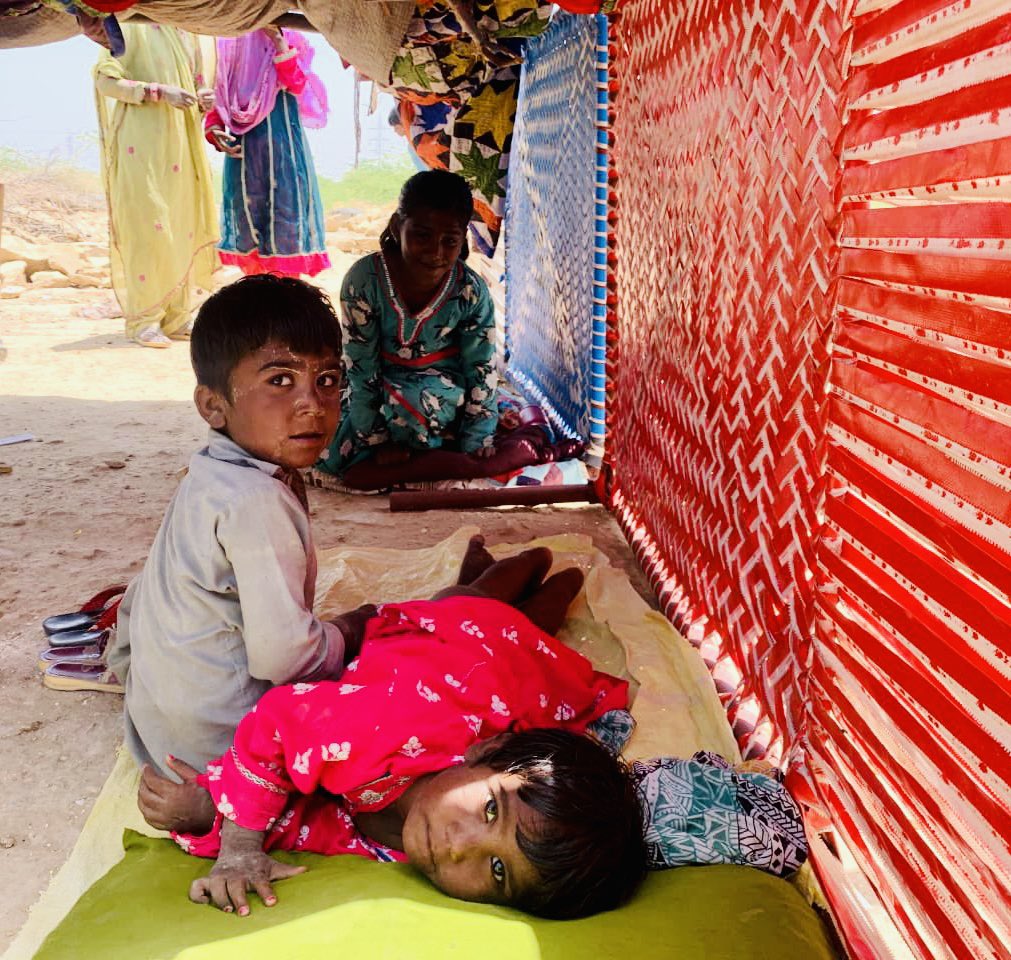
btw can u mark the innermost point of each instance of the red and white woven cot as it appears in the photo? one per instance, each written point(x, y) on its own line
point(811, 209)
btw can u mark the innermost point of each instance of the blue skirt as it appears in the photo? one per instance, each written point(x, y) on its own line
point(271, 212)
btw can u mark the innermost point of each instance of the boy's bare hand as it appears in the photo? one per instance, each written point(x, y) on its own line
point(184, 807)
point(352, 628)
point(242, 867)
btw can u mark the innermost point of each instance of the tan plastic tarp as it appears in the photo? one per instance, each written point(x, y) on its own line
point(676, 707)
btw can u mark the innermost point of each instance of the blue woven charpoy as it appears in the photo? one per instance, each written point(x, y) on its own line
point(556, 227)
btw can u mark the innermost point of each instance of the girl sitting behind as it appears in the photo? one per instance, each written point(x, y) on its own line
point(432, 748)
point(419, 336)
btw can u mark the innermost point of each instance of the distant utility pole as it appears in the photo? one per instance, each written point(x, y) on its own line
point(358, 117)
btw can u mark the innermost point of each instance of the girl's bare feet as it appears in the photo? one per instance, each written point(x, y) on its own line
point(515, 578)
point(166, 805)
point(547, 605)
point(475, 561)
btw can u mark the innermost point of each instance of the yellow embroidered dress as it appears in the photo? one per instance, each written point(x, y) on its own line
point(162, 215)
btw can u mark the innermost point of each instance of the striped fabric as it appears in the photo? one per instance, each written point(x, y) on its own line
point(910, 694)
point(809, 414)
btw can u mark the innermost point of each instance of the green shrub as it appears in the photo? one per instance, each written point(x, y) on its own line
point(375, 182)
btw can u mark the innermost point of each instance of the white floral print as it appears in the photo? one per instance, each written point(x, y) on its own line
point(225, 807)
point(336, 751)
point(543, 700)
point(542, 647)
point(426, 624)
point(472, 629)
point(498, 706)
point(474, 722)
point(360, 311)
point(427, 693)
point(301, 762)
point(452, 681)
point(511, 634)
point(564, 712)
point(300, 688)
point(346, 688)
point(413, 748)
point(214, 771)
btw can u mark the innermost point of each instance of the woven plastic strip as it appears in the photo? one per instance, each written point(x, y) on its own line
point(726, 118)
point(843, 564)
point(555, 227)
point(725, 168)
point(911, 690)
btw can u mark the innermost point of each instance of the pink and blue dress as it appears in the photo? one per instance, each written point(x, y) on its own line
point(271, 213)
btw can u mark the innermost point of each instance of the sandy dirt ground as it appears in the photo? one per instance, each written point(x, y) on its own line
point(113, 426)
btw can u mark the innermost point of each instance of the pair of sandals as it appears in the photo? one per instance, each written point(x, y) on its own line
point(75, 659)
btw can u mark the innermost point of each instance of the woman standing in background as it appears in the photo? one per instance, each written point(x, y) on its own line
point(157, 180)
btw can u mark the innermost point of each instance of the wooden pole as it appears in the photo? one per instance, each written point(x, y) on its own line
point(289, 21)
point(408, 500)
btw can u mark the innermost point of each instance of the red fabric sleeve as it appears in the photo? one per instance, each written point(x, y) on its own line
point(212, 119)
point(290, 75)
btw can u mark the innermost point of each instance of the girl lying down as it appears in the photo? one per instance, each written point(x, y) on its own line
point(455, 742)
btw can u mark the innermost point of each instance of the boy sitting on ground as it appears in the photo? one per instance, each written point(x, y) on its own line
point(222, 610)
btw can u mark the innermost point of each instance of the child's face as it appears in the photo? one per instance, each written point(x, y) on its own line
point(430, 243)
point(282, 407)
point(460, 831)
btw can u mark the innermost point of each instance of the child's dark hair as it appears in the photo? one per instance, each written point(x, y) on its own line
point(589, 851)
point(243, 316)
point(436, 190)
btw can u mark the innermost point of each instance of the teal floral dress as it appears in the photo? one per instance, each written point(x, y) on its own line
point(422, 381)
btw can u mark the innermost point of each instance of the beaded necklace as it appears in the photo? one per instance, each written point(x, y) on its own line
point(423, 315)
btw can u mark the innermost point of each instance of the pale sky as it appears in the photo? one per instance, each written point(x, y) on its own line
point(47, 106)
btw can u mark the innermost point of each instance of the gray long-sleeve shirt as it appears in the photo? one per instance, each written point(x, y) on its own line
point(221, 611)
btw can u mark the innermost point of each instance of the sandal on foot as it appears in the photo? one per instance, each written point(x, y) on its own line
point(88, 616)
point(185, 332)
point(152, 337)
point(91, 653)
point(82, 676)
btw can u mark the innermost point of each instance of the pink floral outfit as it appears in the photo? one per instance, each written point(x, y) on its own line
point(433, 677)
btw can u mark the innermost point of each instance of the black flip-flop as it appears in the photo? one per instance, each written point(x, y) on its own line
point(88, 616)
point(78, 638)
